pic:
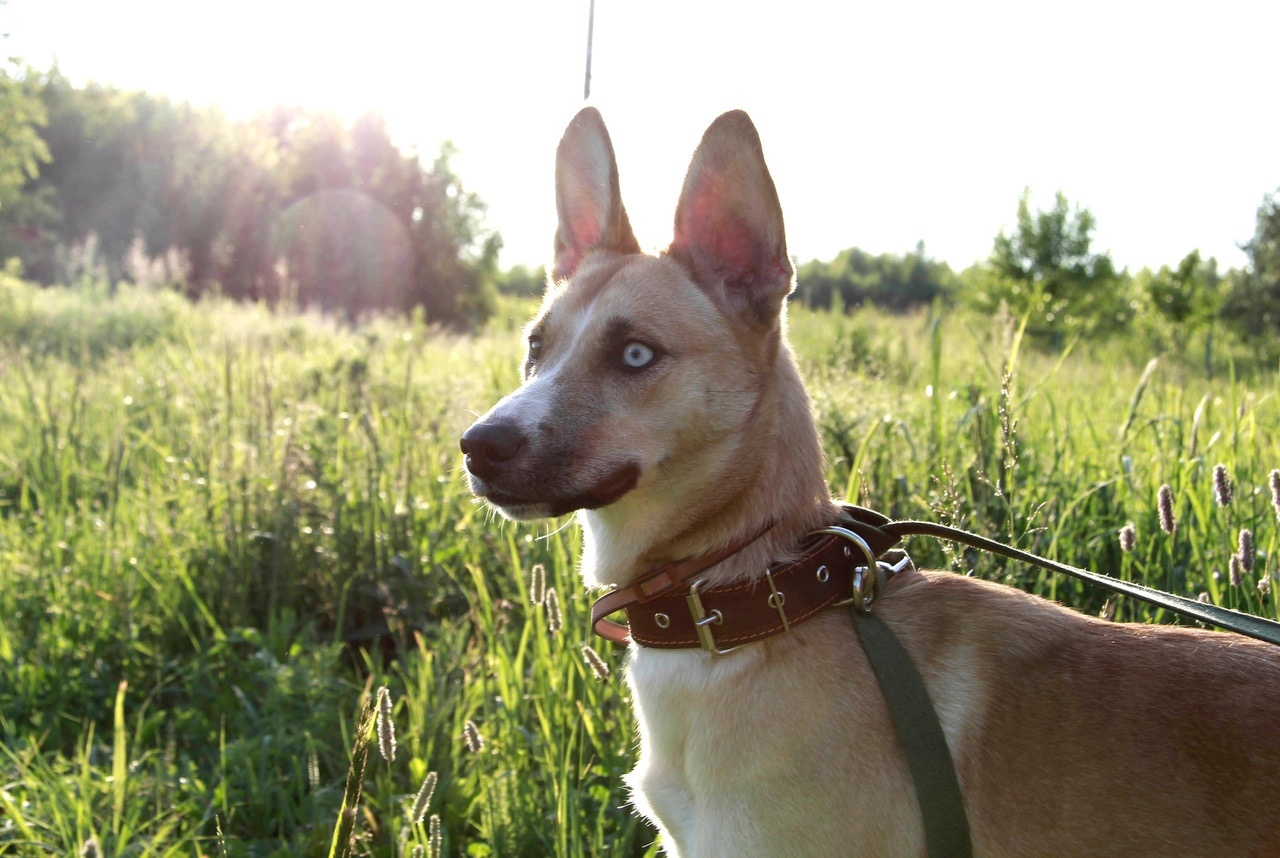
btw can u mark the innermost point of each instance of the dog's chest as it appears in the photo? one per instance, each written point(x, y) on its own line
point(675, 696)
point(738, 758)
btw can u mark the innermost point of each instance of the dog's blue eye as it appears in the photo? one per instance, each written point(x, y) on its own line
point(637, 355)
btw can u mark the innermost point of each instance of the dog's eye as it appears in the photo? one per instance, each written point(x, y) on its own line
point(535, 347)
point(637, 355)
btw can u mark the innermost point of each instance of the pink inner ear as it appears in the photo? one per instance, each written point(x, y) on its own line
point(718, 235)
point(581, 229)
point(584, 225)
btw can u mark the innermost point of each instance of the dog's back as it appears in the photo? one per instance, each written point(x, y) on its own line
point(1101, 738)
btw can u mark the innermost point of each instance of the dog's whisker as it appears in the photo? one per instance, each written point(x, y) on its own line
point(568, 521)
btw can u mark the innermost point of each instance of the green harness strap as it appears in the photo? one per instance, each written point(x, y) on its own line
point(946, 827)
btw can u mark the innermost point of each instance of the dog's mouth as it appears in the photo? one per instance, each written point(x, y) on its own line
point(546, 502)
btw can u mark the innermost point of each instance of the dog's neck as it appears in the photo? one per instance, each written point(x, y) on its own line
point(772, 472)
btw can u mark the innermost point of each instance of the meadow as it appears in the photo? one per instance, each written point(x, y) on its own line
point(223, 529)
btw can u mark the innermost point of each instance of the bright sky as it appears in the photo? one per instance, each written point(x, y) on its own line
point(883, 122)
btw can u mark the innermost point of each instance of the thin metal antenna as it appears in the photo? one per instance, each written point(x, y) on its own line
point(591, 25)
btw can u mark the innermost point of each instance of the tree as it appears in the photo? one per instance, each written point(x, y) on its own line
point(1047, 272)
point(523, 281)
point(1186, 296)
point(22, 151)
point(1253, 303)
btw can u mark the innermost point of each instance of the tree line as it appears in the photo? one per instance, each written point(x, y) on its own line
point(292, 205)
point(1046, 272)
point(299, 206)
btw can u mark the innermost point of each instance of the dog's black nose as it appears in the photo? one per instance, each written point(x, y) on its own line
point(489, 445)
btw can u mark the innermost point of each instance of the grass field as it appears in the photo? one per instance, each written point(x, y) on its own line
point(222, 530)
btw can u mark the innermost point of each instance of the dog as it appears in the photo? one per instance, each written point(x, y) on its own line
point(662, 403)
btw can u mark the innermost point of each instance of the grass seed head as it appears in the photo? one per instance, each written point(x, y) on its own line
point(91, 849)
point(434, 836)
point(423, 798)
point(1233, 570)
point(598, 667)
point(1128, 535)
point(554, 620)
point(537, 584)
point(471, 735)
point(1165, 504)
point(1222, 491)
point(1264, 584)
point(1247, 550)
point(418, 851)
point(386, 727)
point(1275, 491)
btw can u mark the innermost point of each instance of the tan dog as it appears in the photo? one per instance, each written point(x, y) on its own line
point(662, 401)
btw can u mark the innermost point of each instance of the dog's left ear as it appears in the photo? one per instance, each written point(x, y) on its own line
point(729, 230)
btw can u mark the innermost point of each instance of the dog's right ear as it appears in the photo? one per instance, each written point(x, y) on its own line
point(587, 199)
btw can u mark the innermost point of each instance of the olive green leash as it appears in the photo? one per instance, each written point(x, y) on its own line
point(946, 827)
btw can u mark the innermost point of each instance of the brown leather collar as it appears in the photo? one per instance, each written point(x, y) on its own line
point(667, 608)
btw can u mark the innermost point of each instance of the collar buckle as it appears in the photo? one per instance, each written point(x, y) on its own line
point(703, 621)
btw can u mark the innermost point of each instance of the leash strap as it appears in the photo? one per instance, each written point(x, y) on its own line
point(946, 827)
point(1246, 624)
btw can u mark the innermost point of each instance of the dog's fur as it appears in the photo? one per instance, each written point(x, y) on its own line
point(1071, 736)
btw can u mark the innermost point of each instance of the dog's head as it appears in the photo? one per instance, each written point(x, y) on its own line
point(643, 374)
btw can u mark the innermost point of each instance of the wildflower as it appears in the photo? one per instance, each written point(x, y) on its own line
point(1204, 599)
point(1127, 537)
point(434, 836)
point(1165, 499)
point(423, 798)
point(537, 584)
point(1247, 552)
point(386, 727)
point(1275, 491)
point(1234, 572)
point(598, 668)
point(554, 620)
point(470, 735)
point(1222, 491)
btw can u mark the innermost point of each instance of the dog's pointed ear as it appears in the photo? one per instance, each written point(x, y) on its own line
point(729, 230)
point(587, 199)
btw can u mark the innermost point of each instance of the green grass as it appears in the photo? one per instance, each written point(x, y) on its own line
point(223, 530)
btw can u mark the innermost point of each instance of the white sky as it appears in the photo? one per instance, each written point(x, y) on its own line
point(883, 122)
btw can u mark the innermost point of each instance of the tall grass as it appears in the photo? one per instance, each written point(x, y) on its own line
point(222, 530)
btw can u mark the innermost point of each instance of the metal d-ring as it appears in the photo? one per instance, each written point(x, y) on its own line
point(864, 577)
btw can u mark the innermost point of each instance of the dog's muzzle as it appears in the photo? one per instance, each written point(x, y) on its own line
point(524, 477)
